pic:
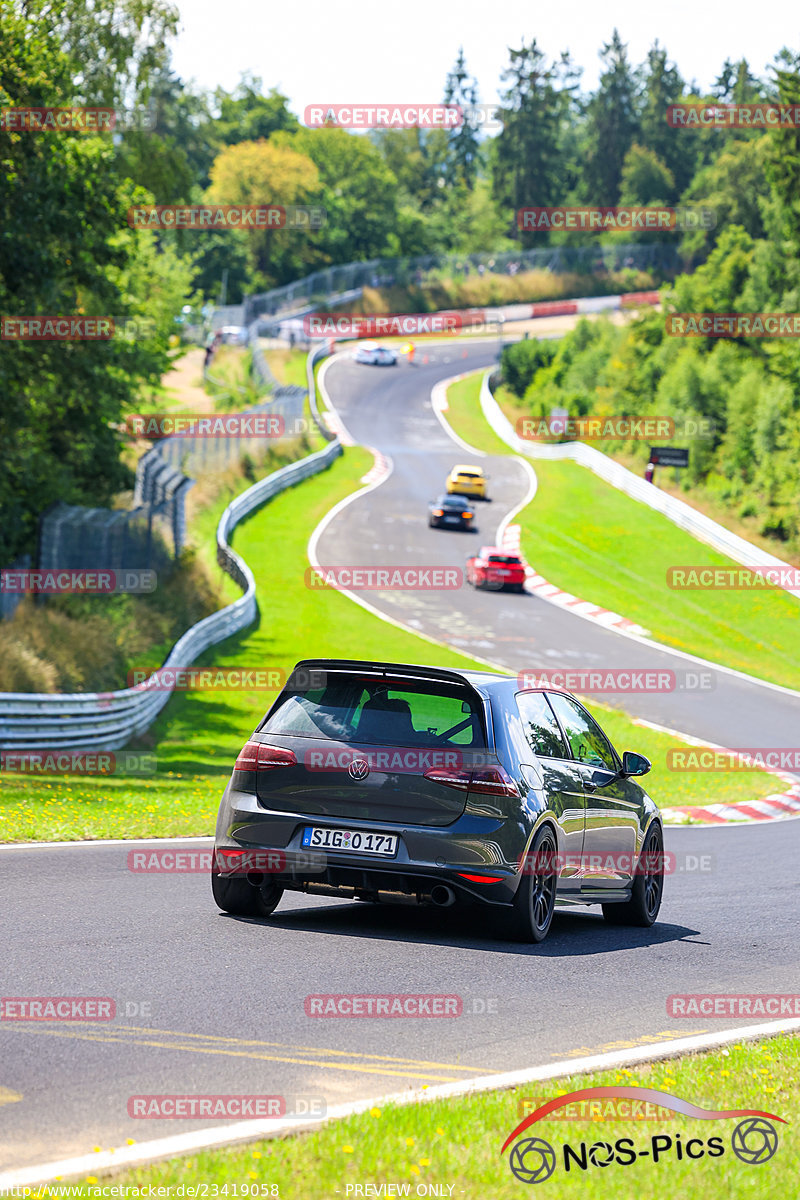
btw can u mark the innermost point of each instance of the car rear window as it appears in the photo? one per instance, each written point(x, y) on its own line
point(512, 559)
point(469, 475)
point(380, 712)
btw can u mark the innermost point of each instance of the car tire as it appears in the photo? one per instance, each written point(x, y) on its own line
point(518, 587)
point(534, 902)
point(242, 899)
point(647, 891)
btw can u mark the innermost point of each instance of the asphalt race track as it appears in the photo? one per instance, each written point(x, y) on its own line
point(226, 994)
point(390, 410)
point(212, 1004)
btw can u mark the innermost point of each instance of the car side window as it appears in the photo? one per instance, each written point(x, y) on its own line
point(587, 741)
point(540, 726)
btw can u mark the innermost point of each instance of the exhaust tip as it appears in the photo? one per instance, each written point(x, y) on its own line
point(443, 895)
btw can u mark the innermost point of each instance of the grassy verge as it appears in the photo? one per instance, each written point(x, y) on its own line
point(288, 366)
point(455, 1143)
point(487, 290)
point(578, 524)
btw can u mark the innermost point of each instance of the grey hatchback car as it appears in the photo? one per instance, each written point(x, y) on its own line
point(387, 781)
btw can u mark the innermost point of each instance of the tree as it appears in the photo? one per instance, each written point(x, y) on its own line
point(463, 145)
point(117, 47)
point(645, 179)
point(611, 126)
point(678, 149)
point(357, 190)
point(66, 249)
point(528, 166)
point(248, 114)
point(267, 173)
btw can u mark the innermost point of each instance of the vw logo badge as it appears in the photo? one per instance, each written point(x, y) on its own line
point(358, 769)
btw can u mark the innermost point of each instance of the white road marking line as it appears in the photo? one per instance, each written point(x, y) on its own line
point(248, 1131)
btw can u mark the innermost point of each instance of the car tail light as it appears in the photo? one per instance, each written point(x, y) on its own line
point(438, 512)
point(467, 515)
point(488, 781)
point(480, 878)
point(493, 781)
point(256, 757)
point(449, 777)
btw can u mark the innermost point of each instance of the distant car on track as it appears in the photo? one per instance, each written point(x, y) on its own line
point(451, 512)
point(385, 781)
point(494, 569)
point(465, 480)
point(379, 356)
point(234, 335)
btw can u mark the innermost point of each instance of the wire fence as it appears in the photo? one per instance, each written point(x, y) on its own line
point(336, 283)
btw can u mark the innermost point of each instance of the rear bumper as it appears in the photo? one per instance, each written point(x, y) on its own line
point(426, 855)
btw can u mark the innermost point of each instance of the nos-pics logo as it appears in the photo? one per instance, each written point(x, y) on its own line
point(533, 1160)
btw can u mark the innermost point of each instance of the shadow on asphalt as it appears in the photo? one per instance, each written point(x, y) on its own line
point(570, 935)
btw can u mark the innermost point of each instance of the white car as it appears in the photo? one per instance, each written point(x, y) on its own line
point(379, 356)
point(234, 335)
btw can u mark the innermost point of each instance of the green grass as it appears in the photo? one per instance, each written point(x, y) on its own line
point(288, 366)
point(578, 525)
point(198, 734)
point(456, 1142)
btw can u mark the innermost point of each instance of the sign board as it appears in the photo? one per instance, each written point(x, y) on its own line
point(669, 456)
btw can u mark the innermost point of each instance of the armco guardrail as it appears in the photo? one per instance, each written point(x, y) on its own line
point(107, 721)
point(677, 511)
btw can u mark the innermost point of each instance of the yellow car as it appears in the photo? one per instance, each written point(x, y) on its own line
point(467, 481)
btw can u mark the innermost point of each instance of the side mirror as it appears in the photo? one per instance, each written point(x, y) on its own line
point(635, 764)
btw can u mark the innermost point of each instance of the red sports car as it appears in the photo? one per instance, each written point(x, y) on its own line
point(494, 569)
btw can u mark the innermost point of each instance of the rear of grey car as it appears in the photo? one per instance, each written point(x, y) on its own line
point(380, 781)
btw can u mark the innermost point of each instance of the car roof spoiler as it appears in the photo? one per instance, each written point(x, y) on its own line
point(397, 670)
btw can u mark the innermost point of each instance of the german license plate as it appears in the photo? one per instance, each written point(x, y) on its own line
point(351, 841)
